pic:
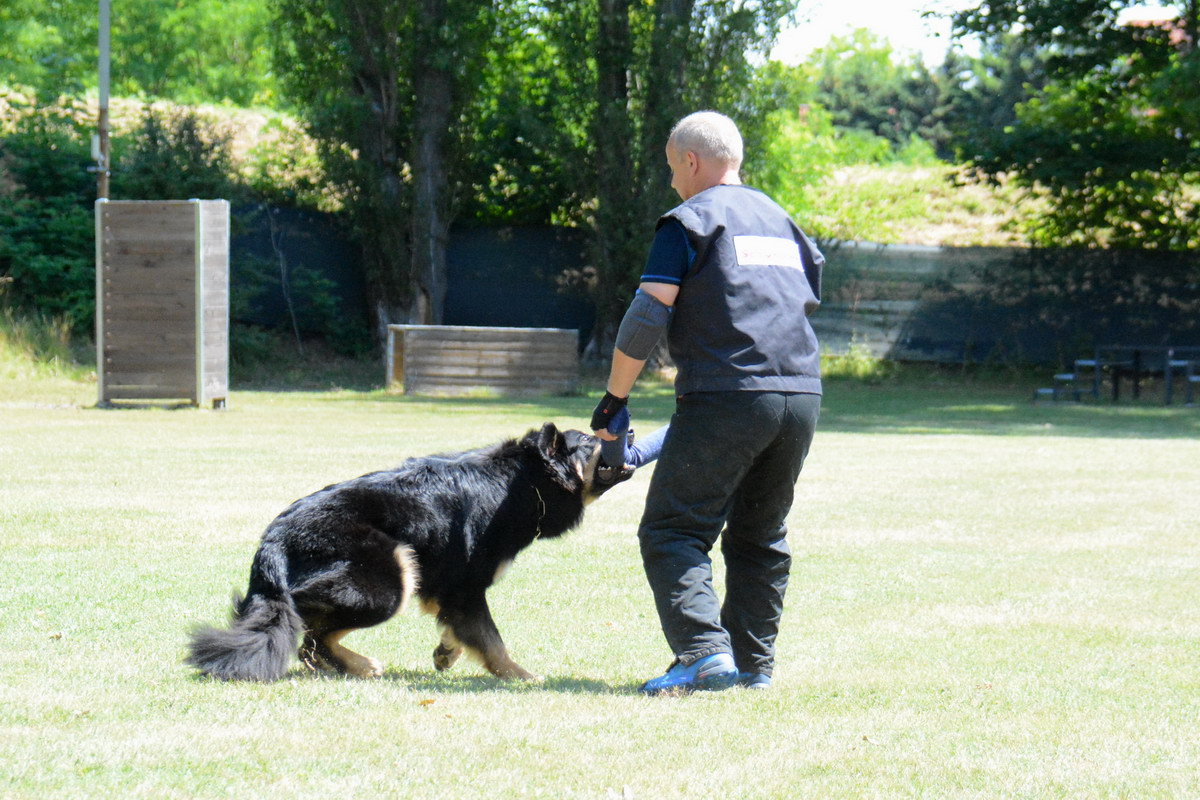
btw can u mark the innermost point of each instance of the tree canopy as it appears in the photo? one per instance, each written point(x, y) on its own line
point(195, 52)
point(1111, 137)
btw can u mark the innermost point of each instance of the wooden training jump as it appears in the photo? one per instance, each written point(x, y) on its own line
point(162, 300)
point(448, 359)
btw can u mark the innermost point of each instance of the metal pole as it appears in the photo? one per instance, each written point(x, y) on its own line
point(105, 51)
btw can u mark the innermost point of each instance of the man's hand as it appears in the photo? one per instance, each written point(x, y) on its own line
point(608, 407)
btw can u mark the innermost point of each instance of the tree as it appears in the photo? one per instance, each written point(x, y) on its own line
point(1111, 139)
point(384, 86)
point(640, 67)
point(862, 83)
point(983, 92)
point(47, 44)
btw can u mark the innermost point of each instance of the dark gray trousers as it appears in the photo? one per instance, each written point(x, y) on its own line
point(730, 460)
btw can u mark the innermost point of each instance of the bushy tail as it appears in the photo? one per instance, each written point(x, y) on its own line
point(258, 646)
point(261, 638)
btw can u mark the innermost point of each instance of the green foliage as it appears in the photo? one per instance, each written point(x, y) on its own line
point(47, 248)
point(34, 344)
point(196, 51)
point(46, 227)
point(802, 153)
point(175, 154)
point(48, 45)
point(628, 72)
point(866, 88)
point(1110, 139)
point(985, 91)
point(859, 364)
point(384, 88)
point(801, 160)
point(284, 168)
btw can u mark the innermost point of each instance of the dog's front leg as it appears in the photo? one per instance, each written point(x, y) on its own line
point(470, 626)
point(447, 652)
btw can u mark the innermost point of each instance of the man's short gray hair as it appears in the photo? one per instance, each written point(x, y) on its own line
point(708, 134)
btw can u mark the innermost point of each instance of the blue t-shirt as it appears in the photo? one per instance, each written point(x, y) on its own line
point(671, 255)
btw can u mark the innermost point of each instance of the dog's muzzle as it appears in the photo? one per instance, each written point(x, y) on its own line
point(607, 477)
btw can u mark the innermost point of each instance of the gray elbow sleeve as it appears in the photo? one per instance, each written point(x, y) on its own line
point(643, 326)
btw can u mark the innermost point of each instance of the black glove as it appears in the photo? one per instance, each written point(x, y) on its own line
point(608, 407)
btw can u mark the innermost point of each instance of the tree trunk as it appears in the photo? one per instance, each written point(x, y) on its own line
point(433, 87)
point(617, 219)
point(382, 210)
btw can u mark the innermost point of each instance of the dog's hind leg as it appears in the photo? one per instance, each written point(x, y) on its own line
point(469, 625)
point(323, 651)
point(365, 590)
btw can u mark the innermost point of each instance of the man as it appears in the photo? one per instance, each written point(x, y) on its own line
point(732, 280)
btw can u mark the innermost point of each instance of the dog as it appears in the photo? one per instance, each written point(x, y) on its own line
point(442, 528)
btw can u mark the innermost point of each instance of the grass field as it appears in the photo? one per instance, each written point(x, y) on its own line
point(988, 599)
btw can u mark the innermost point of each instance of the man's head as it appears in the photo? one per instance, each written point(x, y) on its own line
point(703, 150)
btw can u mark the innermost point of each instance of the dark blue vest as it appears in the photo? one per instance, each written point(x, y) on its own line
point(741, 317)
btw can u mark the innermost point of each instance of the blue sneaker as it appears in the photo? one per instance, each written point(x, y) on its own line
point(754, 680)
point(709, 674)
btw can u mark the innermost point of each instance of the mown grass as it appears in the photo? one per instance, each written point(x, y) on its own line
point(989, 599)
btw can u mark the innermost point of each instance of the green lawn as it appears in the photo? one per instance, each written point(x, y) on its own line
point(989, 599)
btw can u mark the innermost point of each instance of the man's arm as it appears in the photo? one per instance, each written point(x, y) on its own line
point(625, 368)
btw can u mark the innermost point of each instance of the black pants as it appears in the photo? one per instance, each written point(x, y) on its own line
point(730, 460)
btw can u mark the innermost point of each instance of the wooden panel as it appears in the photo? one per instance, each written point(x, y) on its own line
point(453, 359)
point(148, 262)
point(149, 392)
point(140, 344)
point(181, 380)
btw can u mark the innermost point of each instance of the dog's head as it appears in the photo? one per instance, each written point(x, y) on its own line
point(573, 458)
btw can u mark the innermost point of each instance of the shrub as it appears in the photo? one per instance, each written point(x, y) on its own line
point(46, 227)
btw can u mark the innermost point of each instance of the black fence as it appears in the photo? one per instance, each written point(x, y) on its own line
point(949, 305)
point(1006, 304)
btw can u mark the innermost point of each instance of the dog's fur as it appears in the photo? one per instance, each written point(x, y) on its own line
point(442, 528)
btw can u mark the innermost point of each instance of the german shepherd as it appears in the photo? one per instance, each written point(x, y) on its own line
point(441, 527)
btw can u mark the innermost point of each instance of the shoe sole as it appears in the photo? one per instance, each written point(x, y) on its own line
point(707, 683)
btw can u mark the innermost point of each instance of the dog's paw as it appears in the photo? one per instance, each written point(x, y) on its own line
point(444, 657)
point(366, 668)
point(515, 672)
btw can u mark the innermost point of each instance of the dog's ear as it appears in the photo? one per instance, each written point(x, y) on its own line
point(551, 448)
point(549, 441)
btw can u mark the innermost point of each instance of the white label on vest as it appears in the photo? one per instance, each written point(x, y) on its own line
point(767, 251)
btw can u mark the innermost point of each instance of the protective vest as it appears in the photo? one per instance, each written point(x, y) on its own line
point(741, 317)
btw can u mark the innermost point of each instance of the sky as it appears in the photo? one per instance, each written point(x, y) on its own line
point(899, 21)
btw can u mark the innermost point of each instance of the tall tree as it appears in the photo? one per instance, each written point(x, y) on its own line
point(642, 66)
point(383, 85)
point(1111, 139)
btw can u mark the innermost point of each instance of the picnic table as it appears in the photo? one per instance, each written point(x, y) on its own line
point(1140, 360)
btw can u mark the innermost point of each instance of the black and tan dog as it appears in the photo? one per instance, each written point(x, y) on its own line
point(441, 527)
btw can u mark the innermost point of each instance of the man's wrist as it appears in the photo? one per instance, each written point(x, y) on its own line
point(606, 409)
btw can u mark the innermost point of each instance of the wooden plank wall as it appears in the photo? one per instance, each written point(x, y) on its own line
point(447, 359)
point(872, 292)
point(154, 309)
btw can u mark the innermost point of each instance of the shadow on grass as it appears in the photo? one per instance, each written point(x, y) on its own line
point(467, 683)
